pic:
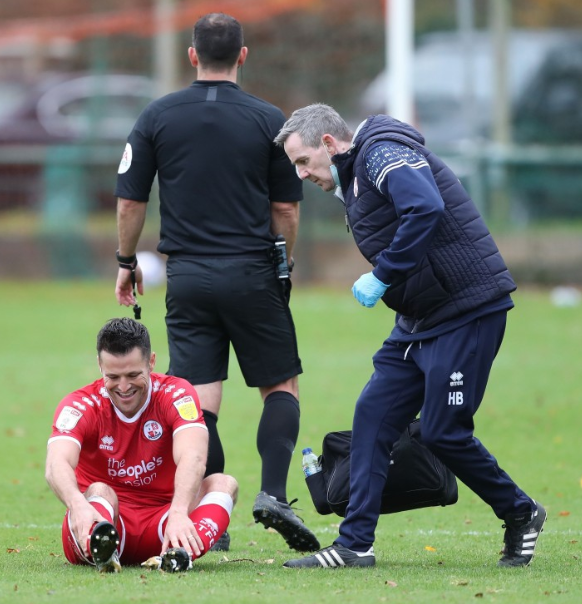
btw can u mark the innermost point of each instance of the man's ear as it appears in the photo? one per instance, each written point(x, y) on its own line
point(152, 361)
point(242, 57)
point(193, 56)
point(328, 141)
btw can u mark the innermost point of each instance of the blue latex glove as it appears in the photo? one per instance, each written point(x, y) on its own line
point(368, 289)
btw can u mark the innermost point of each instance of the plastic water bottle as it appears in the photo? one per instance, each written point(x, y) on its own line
point(310, 462)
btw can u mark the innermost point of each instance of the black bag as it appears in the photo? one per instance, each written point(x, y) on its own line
point(416, 479)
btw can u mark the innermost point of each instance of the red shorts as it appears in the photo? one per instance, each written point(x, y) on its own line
point(140, 531)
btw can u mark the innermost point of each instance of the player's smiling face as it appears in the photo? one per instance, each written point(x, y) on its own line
point(127, 379)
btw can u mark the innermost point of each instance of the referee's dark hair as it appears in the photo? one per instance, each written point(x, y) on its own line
point(218, 39)
point(121, 336)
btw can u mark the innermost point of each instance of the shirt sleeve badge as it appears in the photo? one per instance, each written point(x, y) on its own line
point(126, 158)
point(68, 418)
point(187, 409)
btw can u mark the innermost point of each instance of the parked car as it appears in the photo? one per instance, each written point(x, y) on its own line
point(81, 119)
point(454, 109)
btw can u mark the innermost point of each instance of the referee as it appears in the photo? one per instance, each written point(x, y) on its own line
point(226, 191)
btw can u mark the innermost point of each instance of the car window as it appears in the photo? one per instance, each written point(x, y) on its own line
point(103, 107)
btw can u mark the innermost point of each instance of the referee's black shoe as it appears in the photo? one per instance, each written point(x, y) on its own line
point(223, 543)
point(521, 536)
point(279, 516)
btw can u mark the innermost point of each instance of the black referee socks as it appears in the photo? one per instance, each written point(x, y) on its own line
point(276, 438)
point(215, 461)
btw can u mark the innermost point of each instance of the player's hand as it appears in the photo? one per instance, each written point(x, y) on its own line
point(181, 532)
point(368, 289)
point(124, 286)
point(82, 519)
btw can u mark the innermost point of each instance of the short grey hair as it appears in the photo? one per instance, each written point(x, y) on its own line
point(311, 123)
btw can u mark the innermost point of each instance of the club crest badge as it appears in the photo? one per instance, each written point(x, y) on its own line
point(152, 430)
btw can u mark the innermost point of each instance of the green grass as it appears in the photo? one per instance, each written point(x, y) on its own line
point(530, 420)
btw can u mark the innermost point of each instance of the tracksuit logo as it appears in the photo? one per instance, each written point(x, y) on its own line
point(456, 398)
point(456, 378)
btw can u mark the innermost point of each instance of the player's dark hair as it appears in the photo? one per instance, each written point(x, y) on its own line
point(217, 39)
point(121, 336)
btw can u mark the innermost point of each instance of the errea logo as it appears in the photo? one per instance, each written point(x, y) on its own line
point(456, 378)
point(107, 443)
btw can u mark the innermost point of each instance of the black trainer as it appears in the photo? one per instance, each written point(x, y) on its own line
point(521, 535)
point(334, 556)
point(103, 545)
point(279, 516)
point(175, 559)
point(223, 543)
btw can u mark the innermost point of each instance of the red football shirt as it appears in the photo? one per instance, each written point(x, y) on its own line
point(132, 455)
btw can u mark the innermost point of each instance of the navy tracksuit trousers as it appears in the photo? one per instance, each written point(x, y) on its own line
point(444, 379)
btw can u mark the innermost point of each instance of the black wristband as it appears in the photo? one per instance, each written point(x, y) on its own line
point(291, 264)
point(127, 262)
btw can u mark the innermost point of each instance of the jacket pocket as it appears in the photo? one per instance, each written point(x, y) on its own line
point(418, 294)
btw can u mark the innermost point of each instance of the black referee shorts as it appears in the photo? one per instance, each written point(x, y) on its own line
point(213, 302)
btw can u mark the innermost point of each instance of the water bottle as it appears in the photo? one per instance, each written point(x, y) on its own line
point(310, 462)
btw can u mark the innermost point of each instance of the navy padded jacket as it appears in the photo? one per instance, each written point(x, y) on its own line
point(462, 268)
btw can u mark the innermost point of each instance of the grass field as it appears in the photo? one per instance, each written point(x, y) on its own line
point(531, 420)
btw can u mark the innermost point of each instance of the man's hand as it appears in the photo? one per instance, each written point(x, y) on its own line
point(368, 289)
point(181, 532)
point(83, 517)
point(124, 286)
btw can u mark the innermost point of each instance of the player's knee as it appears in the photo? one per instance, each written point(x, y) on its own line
point(100, 489)
point(223, 483)
point(291, 386)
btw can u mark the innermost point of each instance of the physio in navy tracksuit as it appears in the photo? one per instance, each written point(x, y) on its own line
point(435, 264)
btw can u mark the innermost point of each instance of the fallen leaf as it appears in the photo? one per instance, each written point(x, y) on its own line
point(478, 595)
point(12, 550)
point(429, 548)
point(391, 583)
point(564, 513)
point(16, 588)
point(270, 561)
